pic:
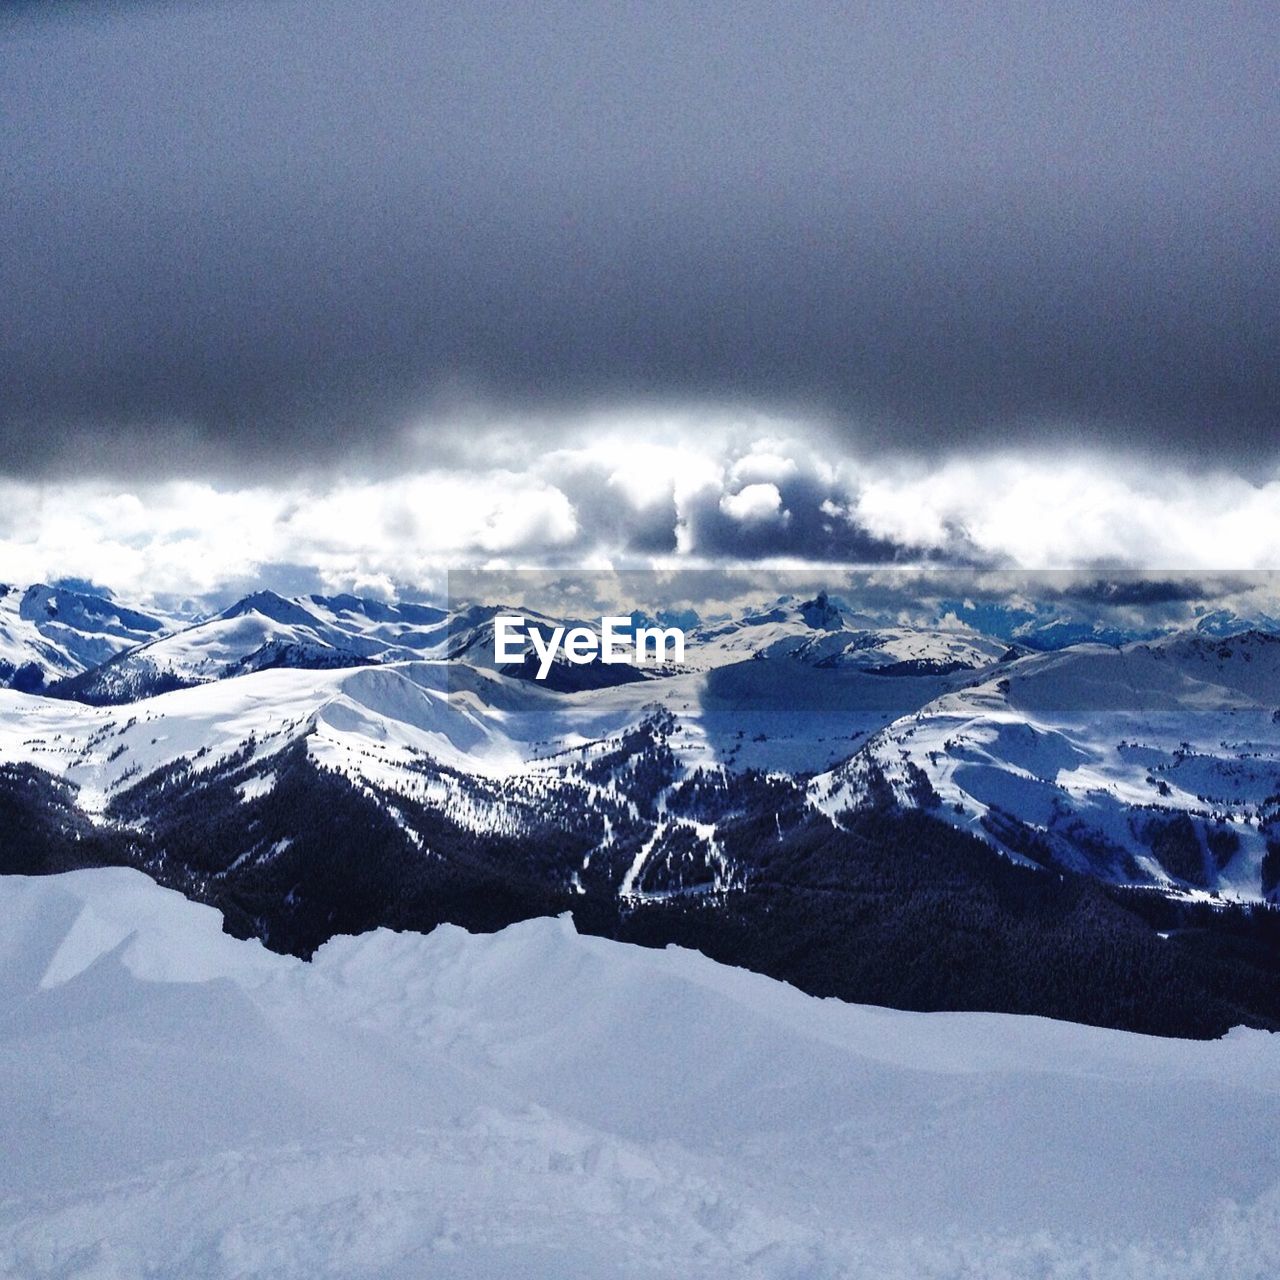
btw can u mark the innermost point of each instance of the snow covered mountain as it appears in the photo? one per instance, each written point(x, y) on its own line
point(822, 633)
point(47, 633)
point(306, 802)
point(808, 794)
point(266, 630)
point(540, 1103)
point(1153, 762)
point(1103, 612)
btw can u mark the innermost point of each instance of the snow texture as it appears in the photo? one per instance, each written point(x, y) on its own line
point(534, 1103)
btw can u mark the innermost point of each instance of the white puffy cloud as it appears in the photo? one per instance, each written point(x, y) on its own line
point(183, 538)
point(635, 490)
point(1044, 512)
point(763, 464)
point(753, 502)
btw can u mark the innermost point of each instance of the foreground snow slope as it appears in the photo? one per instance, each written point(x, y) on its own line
point(535, 1103)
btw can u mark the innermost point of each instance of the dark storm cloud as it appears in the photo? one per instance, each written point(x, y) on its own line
point(272, 233)
point(1135, 589)
point(806, 524)
point(802, 529)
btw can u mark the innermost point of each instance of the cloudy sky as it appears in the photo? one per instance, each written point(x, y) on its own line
point(346, 293)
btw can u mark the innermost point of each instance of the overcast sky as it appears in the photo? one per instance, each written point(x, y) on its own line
point(479, 251)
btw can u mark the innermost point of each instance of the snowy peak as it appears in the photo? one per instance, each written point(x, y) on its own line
point(48, 632)
point(270, 605)
point(395, 613)
point(1152, 763)
point(1244, 645)
point(94, 615)
point(820, 614)
point(822, 632)
point(262, 631)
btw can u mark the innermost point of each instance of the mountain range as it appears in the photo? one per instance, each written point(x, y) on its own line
point(927, 816)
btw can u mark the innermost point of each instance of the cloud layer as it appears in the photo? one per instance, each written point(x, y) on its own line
point(660, 492)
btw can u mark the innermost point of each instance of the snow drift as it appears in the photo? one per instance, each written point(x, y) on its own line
point(537, 1103)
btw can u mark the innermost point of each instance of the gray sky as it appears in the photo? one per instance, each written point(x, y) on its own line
point(255, 236)
point(342, 295)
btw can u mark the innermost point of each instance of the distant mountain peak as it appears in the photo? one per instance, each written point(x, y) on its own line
point(820, 614)
point(271, 604)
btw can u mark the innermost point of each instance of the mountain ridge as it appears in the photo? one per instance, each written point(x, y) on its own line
point(831, 803)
